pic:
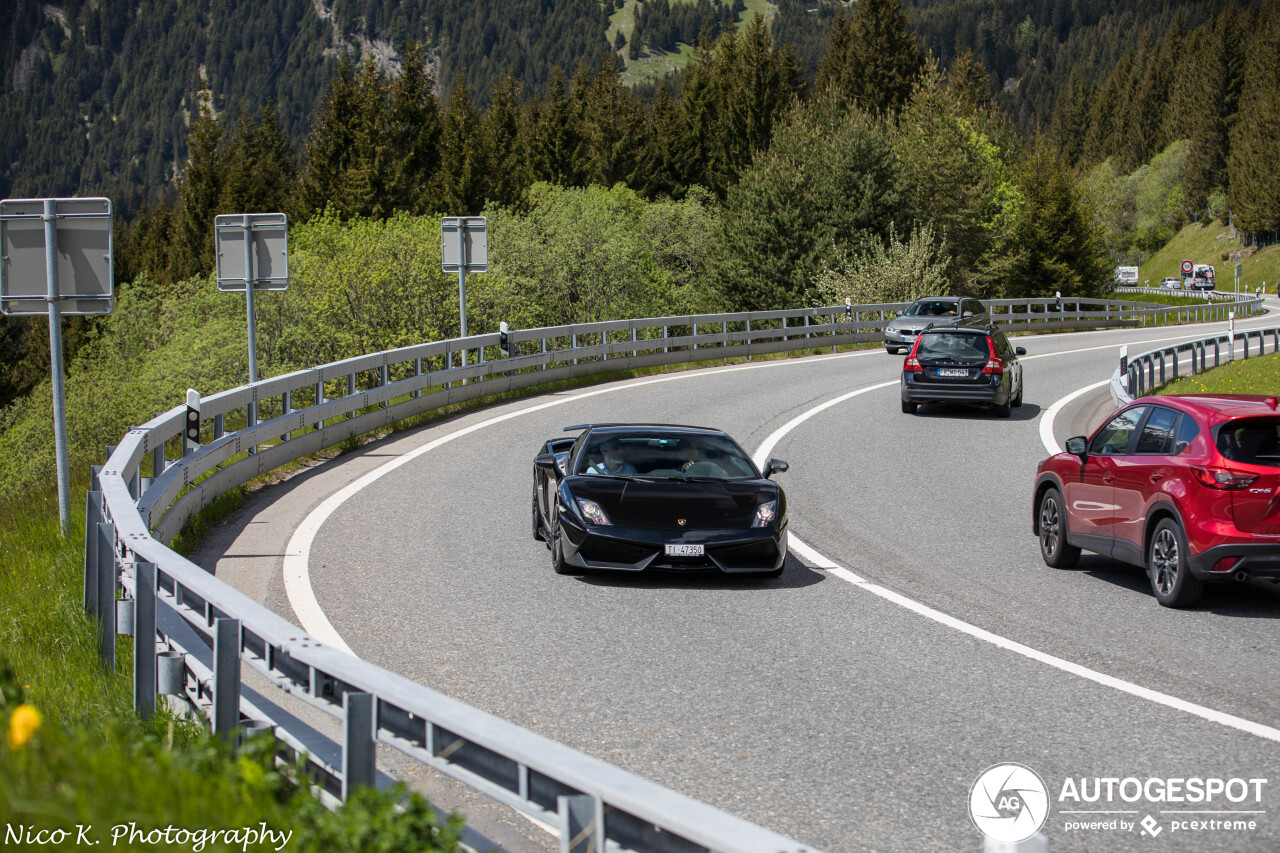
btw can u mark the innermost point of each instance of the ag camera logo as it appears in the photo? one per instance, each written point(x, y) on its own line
point(1009, 803)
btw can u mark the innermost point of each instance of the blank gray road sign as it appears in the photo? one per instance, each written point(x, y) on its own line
point(85, 279)
point(476, 239)
point(270, 250)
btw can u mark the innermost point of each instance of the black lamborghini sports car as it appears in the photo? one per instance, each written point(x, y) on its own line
point(636, 497)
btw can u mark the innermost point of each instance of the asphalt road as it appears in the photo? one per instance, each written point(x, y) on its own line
point(808, 704)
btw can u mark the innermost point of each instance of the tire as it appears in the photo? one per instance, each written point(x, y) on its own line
point(1004, 410)
point(891, 350)
point(1054, 548)
point(1017, 401)
point(909, 408)
point(557, 556)
point(537, 518)
point(1171, 578)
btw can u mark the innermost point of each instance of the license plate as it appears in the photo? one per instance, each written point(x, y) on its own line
point(684, 550)
point(953, 371)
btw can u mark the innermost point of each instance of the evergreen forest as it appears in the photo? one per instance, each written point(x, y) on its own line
point(992, 147)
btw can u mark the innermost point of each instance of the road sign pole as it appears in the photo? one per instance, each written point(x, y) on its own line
point(248, 299)
point(462, 275)
point(55, 362)
point(462, 287)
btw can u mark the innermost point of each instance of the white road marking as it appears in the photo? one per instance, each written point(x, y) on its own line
point(1046, 420)
point(818, 560)
point(809, 555)
point(302, 597)
point(297, 555)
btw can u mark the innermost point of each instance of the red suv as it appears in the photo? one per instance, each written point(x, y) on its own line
point(1188, 487)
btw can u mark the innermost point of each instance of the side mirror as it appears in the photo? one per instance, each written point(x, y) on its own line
point(546, 462)
point(774, 466)
point(1020, 350)
point(1078, 445)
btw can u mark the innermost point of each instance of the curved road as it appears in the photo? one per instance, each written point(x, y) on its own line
point(807, 704)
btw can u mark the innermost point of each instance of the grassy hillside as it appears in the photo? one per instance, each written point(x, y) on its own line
point(1206, 244)
point(654, 65)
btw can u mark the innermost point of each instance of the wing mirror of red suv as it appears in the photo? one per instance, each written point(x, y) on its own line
point(1078, 445)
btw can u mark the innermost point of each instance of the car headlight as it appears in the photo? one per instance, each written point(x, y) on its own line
point(765, 514)
point(592, 512)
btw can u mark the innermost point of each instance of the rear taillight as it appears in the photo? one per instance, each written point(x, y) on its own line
point(995, 367)
point(1223, 478)
point(912, 364)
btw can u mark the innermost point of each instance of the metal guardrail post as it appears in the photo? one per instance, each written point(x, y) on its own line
point(226, 676)
point(417, 371)
point(359, 754)
point(92, 516)
point(144, 639)
point(351, 391)
point(106, 554)
point(581, 824)
point(318, 393)
point(286, 406)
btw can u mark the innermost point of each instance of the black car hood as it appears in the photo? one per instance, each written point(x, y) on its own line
point(638, 502)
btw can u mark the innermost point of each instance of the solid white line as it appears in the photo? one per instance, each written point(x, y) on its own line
point(1219, 717)
point(313, 619)
point(297, 557)
point(818, 560)
point(1046, 420)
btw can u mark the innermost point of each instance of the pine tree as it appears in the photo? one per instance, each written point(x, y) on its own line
point(1215, 101)
point(329, 146)
point(413, 133)
point(199, 190)
point(261, 171)
point(1254, 161)
point(970, 84)
point(503, 129)
point(461, 186)
point(1054, 246)
point(874, 60)
point(556, 146)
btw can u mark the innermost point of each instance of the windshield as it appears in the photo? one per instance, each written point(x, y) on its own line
point(957, 346)
point(677, 456)
point(932, 308)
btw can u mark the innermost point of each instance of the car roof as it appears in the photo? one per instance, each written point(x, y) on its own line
point(645, 429)
point(1219, 407)
point(940, 298)
point(959, 330)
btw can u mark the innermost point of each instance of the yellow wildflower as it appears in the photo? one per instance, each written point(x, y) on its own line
point(24, 723)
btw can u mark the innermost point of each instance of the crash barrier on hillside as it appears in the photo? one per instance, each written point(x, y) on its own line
point(1211, 295)
point(1139, 374)
point(203, 632)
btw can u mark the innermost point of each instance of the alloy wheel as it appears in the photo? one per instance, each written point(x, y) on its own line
point(1164, 561)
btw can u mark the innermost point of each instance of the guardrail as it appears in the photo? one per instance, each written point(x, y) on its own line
point(1213, 295)
point(204, 631)
point(1146, 371)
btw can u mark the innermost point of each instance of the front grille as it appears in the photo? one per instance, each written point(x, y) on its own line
point(752, 555)
point(611, 551)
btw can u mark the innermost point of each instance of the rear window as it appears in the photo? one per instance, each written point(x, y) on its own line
point(1254, 441)
point(954, 345)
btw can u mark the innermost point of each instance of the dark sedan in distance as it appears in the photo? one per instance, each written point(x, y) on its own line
point(970, 366)
point(638, 497)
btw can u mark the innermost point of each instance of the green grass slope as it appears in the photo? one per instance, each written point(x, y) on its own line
point(654, 65)
point(1208, 244)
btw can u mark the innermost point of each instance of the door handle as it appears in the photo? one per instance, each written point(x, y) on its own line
point(1108, 477)
point(1157, 476)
